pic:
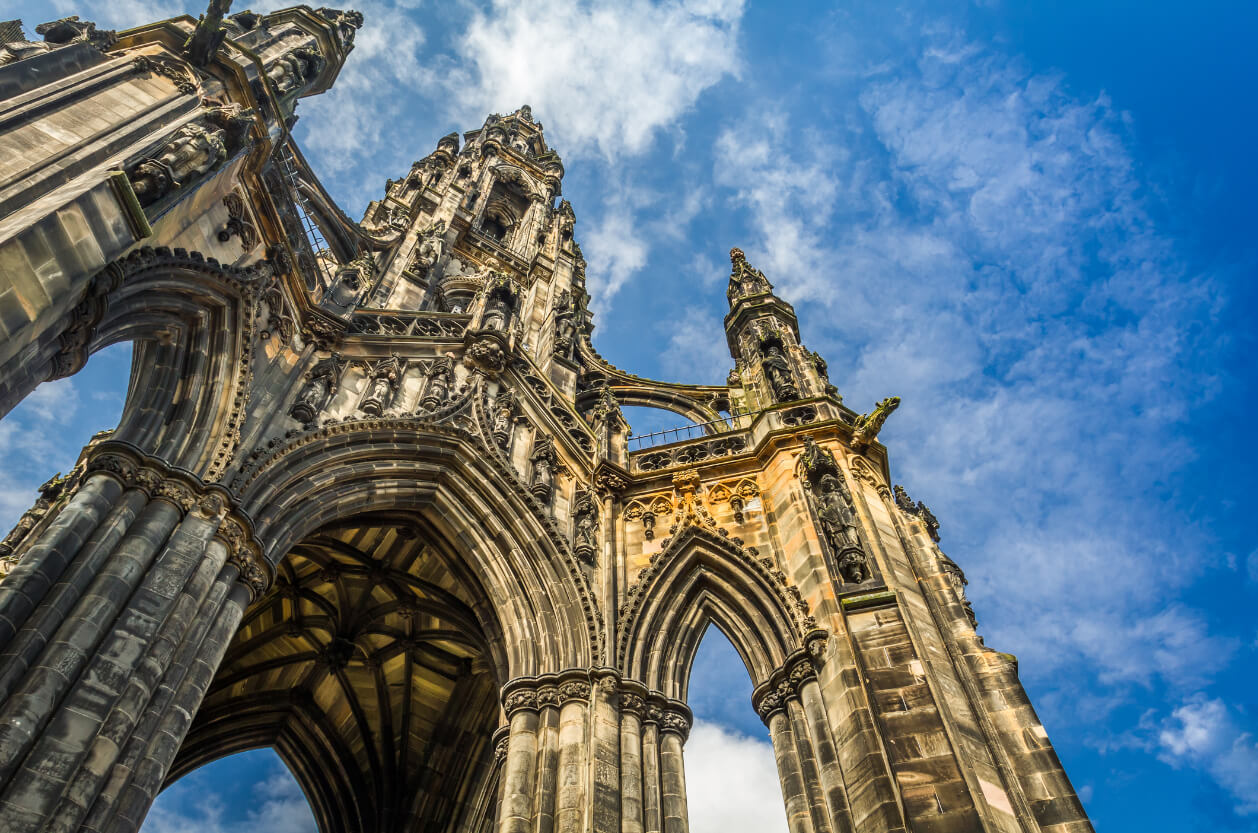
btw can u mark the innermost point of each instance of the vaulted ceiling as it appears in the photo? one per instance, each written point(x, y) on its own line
point(367, 668)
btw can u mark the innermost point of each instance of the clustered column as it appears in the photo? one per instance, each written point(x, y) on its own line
point(111, 628)
point(790, 704)
point(653, 730)
point(583, 752)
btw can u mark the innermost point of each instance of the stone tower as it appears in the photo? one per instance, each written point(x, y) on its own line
point(372, 501)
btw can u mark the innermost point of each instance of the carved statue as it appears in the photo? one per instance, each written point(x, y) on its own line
point(778, 371)
point(296, 69)
point(385, 377)
point(193, 151)
point(823, 372)
point(208, 35)
point(834, 511)
point(431, 246)
point(56, 33)
point(49, 493)
point(545, 461)
point(345, 23)
point(440, 380)
point(496, 313)
point(868, 425)
point(585, 526)
point(321, 383)
point(504, 414)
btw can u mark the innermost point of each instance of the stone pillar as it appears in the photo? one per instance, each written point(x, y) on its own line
point(515, 813)
point(653, 820)
point(547, 758)
point(574, 754)
point(631, 751)
point(790, 703)
point(104, 618)
point(674, 727)
point(605, 752)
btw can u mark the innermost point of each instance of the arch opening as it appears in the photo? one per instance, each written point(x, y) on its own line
point(370, 667)
point(248, 790)
point(731, 776)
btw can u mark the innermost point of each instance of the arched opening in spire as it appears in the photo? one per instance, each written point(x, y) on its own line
point(731, 776)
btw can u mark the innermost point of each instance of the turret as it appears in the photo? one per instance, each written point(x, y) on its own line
point(771, 364)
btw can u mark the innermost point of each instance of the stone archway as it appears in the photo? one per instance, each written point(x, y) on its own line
point(368, 667)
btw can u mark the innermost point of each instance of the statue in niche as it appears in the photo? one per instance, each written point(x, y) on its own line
point(503, 416)
point(316, 393)
point(440, 381)
point(585, 526)
point(294, 70)
point(194, 150)
point(778, 371)
point(49, 494)
point(432, 244)
point(545, 461)
point(834, 511)
point(384, 378)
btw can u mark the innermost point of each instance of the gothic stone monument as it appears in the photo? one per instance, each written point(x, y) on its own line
point(372, 501)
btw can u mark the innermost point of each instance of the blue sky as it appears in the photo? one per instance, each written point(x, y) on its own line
point(1031, 221)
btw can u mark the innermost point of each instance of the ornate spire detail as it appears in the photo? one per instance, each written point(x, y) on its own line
point(745, 279)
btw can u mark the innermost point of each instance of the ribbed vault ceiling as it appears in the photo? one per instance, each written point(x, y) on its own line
point(366, 667)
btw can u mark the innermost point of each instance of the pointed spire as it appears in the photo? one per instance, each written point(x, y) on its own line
point(745, 279)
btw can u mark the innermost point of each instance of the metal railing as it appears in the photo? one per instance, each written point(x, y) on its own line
point(320, 251)
point(688, 432)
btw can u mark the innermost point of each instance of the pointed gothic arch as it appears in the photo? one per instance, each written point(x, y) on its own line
point(703, 578)
point(473, 500)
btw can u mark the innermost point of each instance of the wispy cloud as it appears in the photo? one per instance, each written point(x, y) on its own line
point(1205, 733)
point(607, 77)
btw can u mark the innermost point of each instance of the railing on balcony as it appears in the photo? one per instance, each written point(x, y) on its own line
point(691, 431)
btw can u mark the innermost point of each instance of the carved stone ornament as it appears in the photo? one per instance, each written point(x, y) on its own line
point(836, 514)
point(744, 279)
point(545, 465)
point(868, 425)
point(50, 494)
point(585, 526)
point(519, 700)
point(383, 379)
point(919, 510)
point(486, 355)
point(321, 384)
point(502, 416)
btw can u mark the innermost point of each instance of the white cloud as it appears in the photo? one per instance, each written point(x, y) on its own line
point(1203, 733)
point(732, 783)
point(607, 76)
point(696, 350)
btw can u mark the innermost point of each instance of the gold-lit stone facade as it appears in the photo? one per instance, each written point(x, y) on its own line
point(373, 503)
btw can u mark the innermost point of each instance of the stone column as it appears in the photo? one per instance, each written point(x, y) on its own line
point(574, 755)
point(790, 704)
point(605, 754)
point(547, 758)
point(674, 728)
point(103, 616)
point(515, 814)
point(631, 787)
point(653, 820)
